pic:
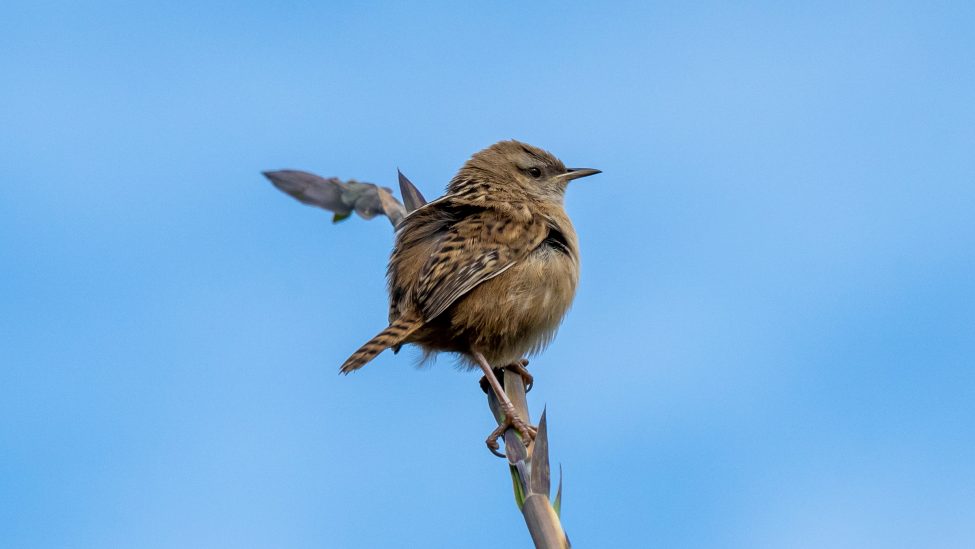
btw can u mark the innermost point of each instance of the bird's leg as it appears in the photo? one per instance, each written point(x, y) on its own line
point(518, 367)
point(511, 417)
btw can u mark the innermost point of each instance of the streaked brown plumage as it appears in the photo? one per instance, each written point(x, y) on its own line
point(489, 269)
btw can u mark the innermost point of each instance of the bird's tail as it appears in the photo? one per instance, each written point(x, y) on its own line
point(393, 335)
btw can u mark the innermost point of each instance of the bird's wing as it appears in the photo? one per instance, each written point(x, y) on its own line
point(417, 237)
point(474, 249)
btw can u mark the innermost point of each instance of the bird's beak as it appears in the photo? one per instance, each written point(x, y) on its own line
point(576, 173)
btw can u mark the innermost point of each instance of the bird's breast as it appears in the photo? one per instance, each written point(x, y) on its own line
point(518, 312)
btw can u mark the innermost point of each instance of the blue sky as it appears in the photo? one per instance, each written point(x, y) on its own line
point(772, 344)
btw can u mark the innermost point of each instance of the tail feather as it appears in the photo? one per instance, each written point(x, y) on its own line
point(393, 336)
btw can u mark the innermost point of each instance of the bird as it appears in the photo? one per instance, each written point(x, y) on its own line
point(487, 271)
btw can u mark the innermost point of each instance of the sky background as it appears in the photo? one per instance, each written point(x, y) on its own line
point(772, 343)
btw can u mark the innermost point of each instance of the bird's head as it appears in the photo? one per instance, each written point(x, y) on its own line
point(518, 168)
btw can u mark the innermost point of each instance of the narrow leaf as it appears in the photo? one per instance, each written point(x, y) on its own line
point(514, 448)
point(519, 478)
point(558, 495)
point(517, 483)
point(541, 481)
point(412, 198)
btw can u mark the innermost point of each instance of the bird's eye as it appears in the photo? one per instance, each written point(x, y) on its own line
point(535, 172)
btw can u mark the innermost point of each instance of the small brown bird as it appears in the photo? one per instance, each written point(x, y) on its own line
point(488, 270)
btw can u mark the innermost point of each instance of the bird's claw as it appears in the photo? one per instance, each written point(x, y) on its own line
point(511, 419)
point(493, 447)
point(518, 367)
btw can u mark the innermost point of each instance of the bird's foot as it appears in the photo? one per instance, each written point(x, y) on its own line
point(511, 419)
point(518, 367)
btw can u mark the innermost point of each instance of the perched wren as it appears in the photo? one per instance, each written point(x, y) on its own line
point(486, 271)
